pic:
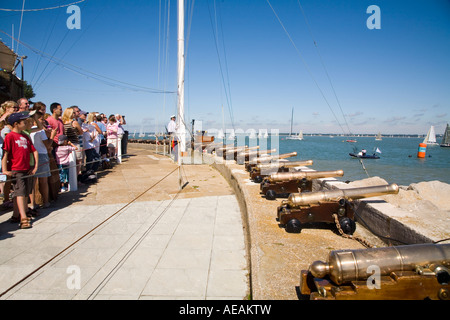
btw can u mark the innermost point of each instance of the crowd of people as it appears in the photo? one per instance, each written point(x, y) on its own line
point(38, 147)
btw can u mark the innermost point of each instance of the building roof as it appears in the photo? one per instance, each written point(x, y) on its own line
point(7, 57)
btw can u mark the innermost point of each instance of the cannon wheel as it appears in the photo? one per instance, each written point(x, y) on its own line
point(293, 226)
point(347, 225)
point(258, 179)
point(271, 195)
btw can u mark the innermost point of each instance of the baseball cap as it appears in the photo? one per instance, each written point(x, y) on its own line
point(62, 138)
point(83, 112)
point(17, 116)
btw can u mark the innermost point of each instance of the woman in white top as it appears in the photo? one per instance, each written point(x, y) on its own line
point(90, 143)
point(42, 142)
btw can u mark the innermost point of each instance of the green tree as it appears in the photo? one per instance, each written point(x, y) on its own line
point(28, 90)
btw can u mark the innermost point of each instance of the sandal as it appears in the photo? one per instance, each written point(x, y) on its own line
point(16, 219)
point(25, 224)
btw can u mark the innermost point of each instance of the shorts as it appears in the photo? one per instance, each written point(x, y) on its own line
point(21, 186)
point(112, 143)
point(78, 152)
point(44, 166)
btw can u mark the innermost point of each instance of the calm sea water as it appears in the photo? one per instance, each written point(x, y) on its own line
point(398, 161)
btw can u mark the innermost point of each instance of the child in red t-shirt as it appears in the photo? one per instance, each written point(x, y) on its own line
point(16, 163)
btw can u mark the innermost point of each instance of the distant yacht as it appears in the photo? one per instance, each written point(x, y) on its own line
point(430, 139)
point(291, 136)
point(378, 138)
point(446, 139)
point(295, 137)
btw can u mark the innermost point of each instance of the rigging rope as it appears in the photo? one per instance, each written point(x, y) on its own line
point(323, 64)
point(305, 64)
point(90, 74)
point(41, 9)
point(20, 27)
point(228, 98)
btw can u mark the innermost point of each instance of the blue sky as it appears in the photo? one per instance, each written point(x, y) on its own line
point(395, 79)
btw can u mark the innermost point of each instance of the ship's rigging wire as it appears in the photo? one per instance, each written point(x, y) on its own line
point(20, 26)
point(92, 75)
point(70, 48)
point(306, 65)
point(227, 90)
point(323, 64)
point(44, 46)
point(42, 9)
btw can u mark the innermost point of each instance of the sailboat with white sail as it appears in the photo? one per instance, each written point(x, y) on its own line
point(446, 138)
point(378, 137)
point(430, 139)
point(299, 136)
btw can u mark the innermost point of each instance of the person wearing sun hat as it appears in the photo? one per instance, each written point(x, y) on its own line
point(172, 126)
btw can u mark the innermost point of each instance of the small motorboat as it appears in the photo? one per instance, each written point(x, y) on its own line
point(365, 156)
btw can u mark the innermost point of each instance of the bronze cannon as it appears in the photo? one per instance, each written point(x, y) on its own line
point(247, 155)
point(231, 153)
point(416, 271)
point(268, 159)
point(262, 170)
point(326, 206)
point(293, 182)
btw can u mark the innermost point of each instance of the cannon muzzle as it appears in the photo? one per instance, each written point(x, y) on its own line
point(351, 265)
point(274, 158)
point(308, 175)
point(248, 153)
point(232, 149)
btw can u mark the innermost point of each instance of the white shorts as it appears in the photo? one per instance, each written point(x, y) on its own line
point(111, 143)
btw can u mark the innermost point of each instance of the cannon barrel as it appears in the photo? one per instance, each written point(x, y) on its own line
point(247, 153)
point(352, 265)
point(288, 164)
point(238, 149)
point(299, 199)
point(230, 149)
point(308, 175)
point(276, 157)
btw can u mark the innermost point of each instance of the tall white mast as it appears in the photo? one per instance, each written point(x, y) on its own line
point(181, 123)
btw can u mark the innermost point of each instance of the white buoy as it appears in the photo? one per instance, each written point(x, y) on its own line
point(73, 176)
point(119, 150)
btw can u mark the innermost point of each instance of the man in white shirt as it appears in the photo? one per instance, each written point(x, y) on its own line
point(171, 129)
point(172, 126)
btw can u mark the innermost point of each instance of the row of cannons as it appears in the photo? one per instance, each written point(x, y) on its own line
point(280, 178)
point(417, 271)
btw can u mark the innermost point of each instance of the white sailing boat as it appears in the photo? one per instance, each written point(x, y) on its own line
point(231, 135)
point(378, 137)
point(446, 139)
point(291, 136)
point(263, 134)
point(430, 139)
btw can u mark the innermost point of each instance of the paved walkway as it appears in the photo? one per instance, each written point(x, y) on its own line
point(157, 242)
